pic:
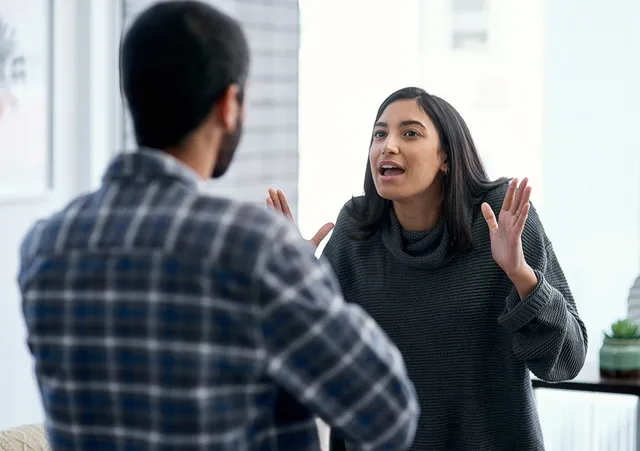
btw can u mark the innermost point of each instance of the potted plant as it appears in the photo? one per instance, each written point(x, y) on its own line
point(620, 351)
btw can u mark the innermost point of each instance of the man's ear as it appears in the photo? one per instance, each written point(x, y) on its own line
point(229, 108)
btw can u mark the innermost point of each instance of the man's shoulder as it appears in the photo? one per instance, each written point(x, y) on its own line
point(243, 215)
point(194, 222)
point(239, 223)
point(44, 233)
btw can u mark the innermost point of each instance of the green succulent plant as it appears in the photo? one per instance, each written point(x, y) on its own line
point(625, 329)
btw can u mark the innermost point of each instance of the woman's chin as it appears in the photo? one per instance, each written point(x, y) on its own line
point(390, 194)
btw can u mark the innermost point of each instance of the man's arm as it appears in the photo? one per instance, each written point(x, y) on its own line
point(328, 354)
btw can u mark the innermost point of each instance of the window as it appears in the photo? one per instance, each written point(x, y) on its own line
point(469, 25)
point(469, 5)
point(469, 40)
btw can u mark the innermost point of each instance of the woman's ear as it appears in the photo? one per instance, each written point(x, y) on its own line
point(444, 163)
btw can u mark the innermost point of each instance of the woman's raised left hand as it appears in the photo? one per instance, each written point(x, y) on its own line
point(506, 235)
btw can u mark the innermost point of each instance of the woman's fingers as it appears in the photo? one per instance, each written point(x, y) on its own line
point(285, 205)
point(517, 204)
point(275, 200)
point(509, 196)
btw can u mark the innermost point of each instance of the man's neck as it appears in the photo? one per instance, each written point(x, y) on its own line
point(196, 153)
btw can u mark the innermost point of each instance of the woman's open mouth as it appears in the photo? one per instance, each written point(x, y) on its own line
point(389, 170)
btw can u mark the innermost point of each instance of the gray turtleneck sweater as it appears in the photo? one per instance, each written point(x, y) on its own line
point(467, 338)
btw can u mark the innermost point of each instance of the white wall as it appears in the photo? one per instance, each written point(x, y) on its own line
point(78, 125)
point(591, 154)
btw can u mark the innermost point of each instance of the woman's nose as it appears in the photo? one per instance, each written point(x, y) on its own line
point(389, 147)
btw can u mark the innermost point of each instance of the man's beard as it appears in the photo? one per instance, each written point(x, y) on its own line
point(228, 148)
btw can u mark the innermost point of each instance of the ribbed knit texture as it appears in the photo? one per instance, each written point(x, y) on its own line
point(468, 339)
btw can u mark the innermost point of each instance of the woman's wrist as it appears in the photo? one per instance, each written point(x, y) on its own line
point(524, 280)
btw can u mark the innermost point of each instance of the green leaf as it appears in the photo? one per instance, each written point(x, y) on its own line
point(624, 329)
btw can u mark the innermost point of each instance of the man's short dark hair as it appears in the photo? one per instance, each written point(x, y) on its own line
point(177, 60)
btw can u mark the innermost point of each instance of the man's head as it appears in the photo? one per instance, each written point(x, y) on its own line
point(183, 71)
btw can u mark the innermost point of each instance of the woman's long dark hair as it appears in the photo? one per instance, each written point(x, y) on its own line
point(465, 184)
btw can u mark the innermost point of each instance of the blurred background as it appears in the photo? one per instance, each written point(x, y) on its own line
point(550, 90)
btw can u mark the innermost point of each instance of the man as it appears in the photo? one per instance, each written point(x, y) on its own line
point(161, 317)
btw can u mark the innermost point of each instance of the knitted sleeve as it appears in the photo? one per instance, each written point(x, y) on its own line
point(547, 332)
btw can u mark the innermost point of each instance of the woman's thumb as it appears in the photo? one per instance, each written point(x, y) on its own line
point(322, 234)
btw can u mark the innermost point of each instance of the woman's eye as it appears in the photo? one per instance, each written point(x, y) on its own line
point(411, 134)
point(379, 134)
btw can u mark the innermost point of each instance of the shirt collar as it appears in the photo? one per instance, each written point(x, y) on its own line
point(149, 164)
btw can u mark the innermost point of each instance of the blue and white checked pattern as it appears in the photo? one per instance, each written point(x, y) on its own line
point(163, 318)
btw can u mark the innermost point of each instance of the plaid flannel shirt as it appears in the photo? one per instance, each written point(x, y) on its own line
point(160, 317)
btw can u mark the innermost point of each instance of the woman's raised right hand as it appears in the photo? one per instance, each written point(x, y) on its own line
point(278, 202)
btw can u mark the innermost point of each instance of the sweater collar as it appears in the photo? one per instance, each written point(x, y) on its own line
point(429, 249)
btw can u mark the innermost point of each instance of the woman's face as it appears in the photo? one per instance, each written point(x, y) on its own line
point(405, 154)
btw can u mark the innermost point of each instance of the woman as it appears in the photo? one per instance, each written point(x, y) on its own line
point(459, 272)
